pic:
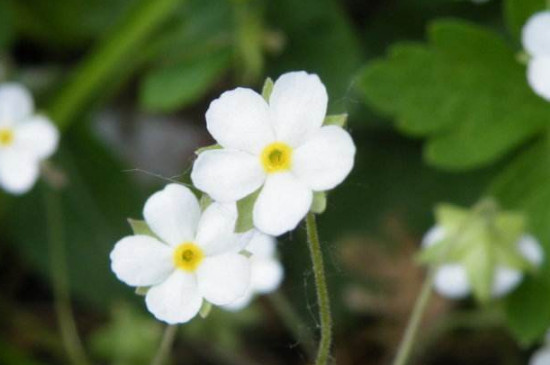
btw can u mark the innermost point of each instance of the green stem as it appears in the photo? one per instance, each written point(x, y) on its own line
point(165, 345)
point(293, 322)
point(409, 338)
point(323, 353)
point(118, 49)
point(62, 300)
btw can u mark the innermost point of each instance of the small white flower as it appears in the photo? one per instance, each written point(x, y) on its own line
point(280, 147)
point(25, 139)
point(536, 42)
point(542, 356)
point(194, 257)
point(266, 272)
point(451, 280)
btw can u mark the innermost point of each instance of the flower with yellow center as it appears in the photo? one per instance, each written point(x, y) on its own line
point(25, 139)
point(279, 147)
point(194, 256)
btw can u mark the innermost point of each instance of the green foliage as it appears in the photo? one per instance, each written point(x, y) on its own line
point(517, 12)
point(453, 92)
point(94, 203)
point(525, 185)
point(178, 85)
point(129, 339)
point(339, 120)
point(139, 227)
point(319, 203)
point(267, 89)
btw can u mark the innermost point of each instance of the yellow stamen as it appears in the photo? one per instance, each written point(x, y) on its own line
point(188, 256)
point(276, 157)
point(6, 137)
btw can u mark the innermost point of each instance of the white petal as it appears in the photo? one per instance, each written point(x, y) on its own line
point(452, 281)
point(19, 170)
point(15, 103)
point(37, 135)
point(531, 249)
point(505, 280)
point(261, 244)
point(541, 357)
point(266, 274)
point(173, 214)
point(176, 300)
point(141, 261)
point(538, 76)
point(325, 159)
point(281, 205)
point(240, 303)
point(536, 35)
point(227, 175)
point(298, 105)
point(224, 278)
point(240, 119)
point(434, 235)
point(215, 234)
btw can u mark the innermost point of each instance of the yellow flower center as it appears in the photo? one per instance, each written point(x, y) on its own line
point(188, 256)
point(6, 137)
point(276, 157)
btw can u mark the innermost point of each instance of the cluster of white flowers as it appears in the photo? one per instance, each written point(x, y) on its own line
point(451, 280)
point(536, 42)
point(278, 148)
point(25, 139)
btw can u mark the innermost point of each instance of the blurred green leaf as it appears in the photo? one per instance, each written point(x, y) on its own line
point(464, 92)
point(98, 197)
point(139, 227)
point(168, 88)
point(525, 185)
point(517, 12)
point(267, 89)
point(319, 203)
point(6, 24)
point(339, 120)
point(320, 39)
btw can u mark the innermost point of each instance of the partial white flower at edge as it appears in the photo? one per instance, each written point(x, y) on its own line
point(25, 139)
point(542, 356)
point(451, 280)
point(195, 256)
point(280, 147)
point(536, 42)
point(266, 271)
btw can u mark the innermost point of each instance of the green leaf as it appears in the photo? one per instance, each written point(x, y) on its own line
point(525, 185)
point(175, 86)
point(480, 267)
point(208, 148)
point(528, 310)
point(245, 206)
point(319, 203)
point(450, 216)
point(339, 120)
point(267, 89)
point(517, 12)
point(463, 91)
point(205, 309)
point(140, 227)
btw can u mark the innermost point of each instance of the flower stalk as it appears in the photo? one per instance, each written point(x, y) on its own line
point(165, 345)
point(62, 300)
point(314, 245)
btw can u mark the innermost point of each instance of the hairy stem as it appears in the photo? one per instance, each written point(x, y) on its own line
point(323, 353)
point(110, 56)
point(165, 345)
point(62, 300)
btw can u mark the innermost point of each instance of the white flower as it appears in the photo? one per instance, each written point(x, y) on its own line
point(451, 280)
point(536, 42)
point(193, 258)
point(25, 139)
point(542, 356)
point(279, 147)
point(266, 272)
